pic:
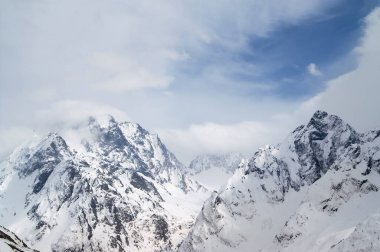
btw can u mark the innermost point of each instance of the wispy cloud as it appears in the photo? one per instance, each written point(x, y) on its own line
point(70, 113)
point(121, 75)
point(244, 137)
point(48, 43)
point(13, 137)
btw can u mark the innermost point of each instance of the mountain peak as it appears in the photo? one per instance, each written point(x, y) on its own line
point(321, 118)
point(56, 138)
point(109, 122)
point(320, 114)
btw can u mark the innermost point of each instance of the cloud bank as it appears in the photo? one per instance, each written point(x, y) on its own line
point(174, 67)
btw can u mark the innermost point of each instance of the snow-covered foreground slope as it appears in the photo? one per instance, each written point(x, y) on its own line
point(212, 170)
point(9, 242)
point(316, 191)
point(110, 187)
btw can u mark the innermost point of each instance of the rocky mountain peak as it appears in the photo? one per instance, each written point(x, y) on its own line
point(322, 121)
point(319, 115)
point(55, 141)
point(319, 144)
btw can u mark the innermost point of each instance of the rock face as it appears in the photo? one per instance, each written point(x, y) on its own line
point(316, 191)
point(213, 171)
point(112, 187)
point(10, 242)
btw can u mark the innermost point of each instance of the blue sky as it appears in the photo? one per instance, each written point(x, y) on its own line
point(208, 76)
point(325, 39)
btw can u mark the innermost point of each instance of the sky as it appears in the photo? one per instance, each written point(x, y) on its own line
point(207, 76)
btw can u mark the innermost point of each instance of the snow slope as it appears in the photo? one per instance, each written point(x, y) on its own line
point(316, 191)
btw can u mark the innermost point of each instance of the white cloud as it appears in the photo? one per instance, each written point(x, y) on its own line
point(70, 113)
point(43, 94)
point(313, 69)
point(123, 75)
point(243, 137)
point(150, 37)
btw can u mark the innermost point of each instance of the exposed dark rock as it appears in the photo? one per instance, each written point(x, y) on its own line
point(161, 228)
point(141, 183)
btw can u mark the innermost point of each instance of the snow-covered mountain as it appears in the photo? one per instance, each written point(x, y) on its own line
point(9, 242)
point(115, 187)
point(103, 187)
point(213, 170)
point(316, 191)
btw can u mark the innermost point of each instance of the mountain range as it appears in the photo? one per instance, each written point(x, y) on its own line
point(113, 186)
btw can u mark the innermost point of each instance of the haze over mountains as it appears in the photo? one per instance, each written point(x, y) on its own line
point(113, 186)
